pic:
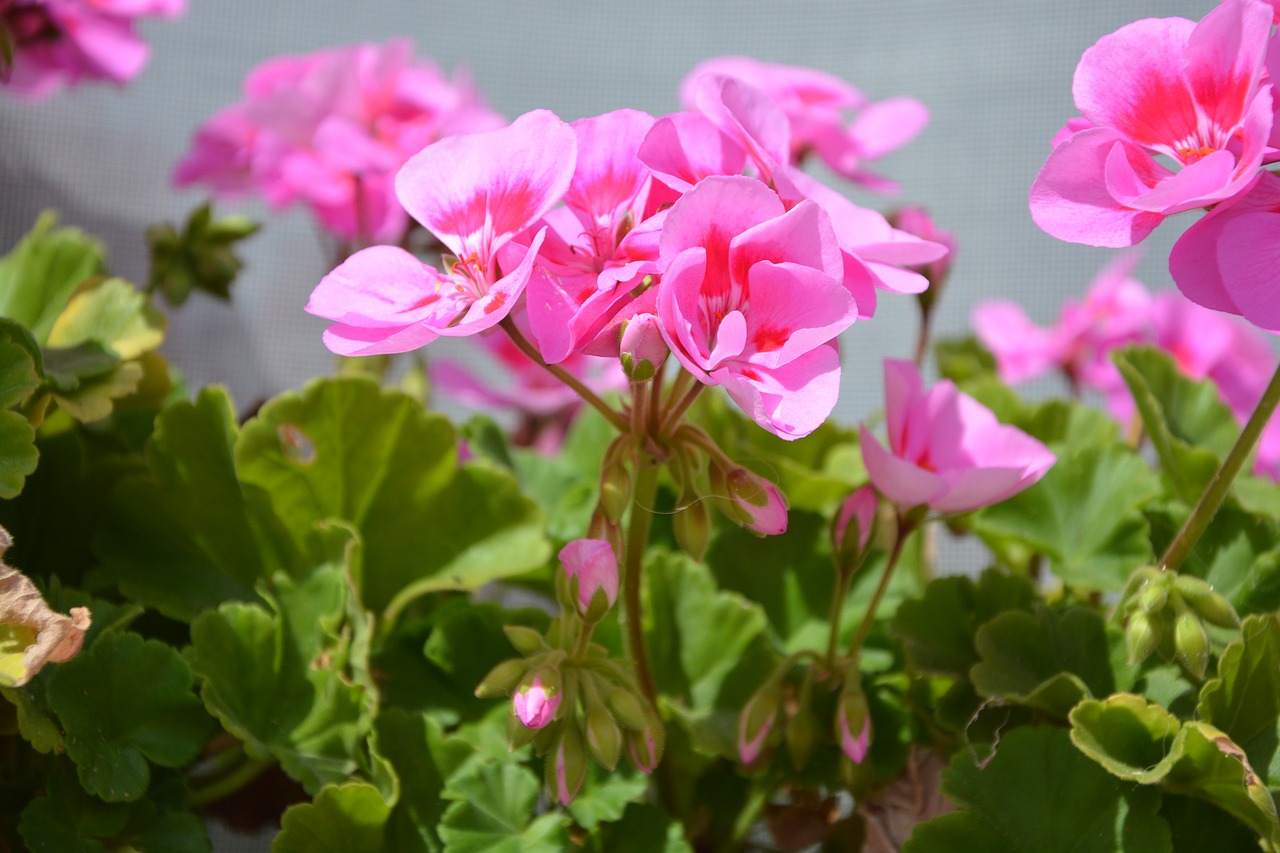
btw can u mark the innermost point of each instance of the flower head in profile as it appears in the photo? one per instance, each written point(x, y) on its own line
point(1157, 91)
point(535, 704)
point(946, 450)
point(59, 43)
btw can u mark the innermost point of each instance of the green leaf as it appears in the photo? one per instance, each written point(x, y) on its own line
point(1129, 736)
point(348, 818)
point(1048, 660)
point(566, 485)
point(493, 810)
point(963, 359)
point(123, 702)
point(68, 820)
point(1244, 700)
point(112, 314)
point(1085, 515)
point(644, 829)
point(201, 257)
point(1065, 425)
point(1039, 794)
point(346, 449)
point(606, 796)
point(422, 759)
point(937, 631)
point(40, 274)
point(278, 680)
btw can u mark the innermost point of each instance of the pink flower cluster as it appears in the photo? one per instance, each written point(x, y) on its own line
point(1199, 96)
point(61, 42)
point(699, 219)
point(329, 130)
point(1118, 311)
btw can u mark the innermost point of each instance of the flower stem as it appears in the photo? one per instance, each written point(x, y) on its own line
point(837, 606)
point(244, 771)
point(685, 390)
point(644, 494)
point(509, 326)
point(905, 529)
point(1216, 491)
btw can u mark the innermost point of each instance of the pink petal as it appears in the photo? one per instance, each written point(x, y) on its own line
point(378, 287)
point(1225, 56)
point(790, 401)
point(802, 235)
point(903, 389)
point(1022, 349)
point(1203, 182)
point(608, 174)
point(684, 148)
point(905, 484)
point(715, 211)
point(887, 125)
point(490, 309)
point(794, 309)
point(750, 118)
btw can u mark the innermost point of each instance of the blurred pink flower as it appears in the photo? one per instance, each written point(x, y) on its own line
point(61, 42)
point(947, 450)
point(329, 129)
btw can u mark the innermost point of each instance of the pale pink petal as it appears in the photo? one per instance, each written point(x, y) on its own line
point(885, 126)
point(794, 309)
point(608, 175)
point(905, 484)
point(790, 401)
point(381, 286)
point(714, 212)
point(1022, 349)
point(803, 235)
point(1225, 56)
point(491, 308)
point(684, 148)
point(1203, 182)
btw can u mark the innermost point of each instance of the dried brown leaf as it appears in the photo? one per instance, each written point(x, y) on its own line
point(916, 796)
point(32, 634)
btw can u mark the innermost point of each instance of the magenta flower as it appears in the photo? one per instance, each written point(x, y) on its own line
point(594, 564)
point(947, 450)
point(329, 129)
point(1193, 93)
point(1227, 261)
point(535, 704)
point(61, 42)
point(752, 299)
point(826, 116)
point(474, 193)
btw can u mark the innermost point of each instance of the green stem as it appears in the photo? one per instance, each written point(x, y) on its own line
point(509, 326)
point(1220, 485)
point(644, 494)
point(904, 530)
point(229, 783)
point(683, 393)
point(843, 579)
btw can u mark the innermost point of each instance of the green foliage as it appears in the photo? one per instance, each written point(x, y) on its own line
point(202, 256)
point(493, 812)
point(348, 818)
point(39, 275)
point(1244, 700)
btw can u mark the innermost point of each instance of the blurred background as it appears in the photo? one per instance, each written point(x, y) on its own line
point(995, 76)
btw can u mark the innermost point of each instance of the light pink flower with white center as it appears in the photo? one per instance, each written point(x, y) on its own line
point(535, 704)
point(594, 564)
point(826, 115)
point(474, 193)
point(1193, 93)
point(752, 299)
point(947, 450)
point(599, 246)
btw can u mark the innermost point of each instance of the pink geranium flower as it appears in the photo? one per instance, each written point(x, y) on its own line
point(61, 42)
point(474, 193)
point(1195, 94)
point(947, 450)
point(752, 299)
point(329, 129)
point(826, 116)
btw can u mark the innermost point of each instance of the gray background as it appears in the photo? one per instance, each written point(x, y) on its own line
point(995, 75)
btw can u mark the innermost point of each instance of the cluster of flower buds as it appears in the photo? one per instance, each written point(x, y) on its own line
point(568, 698)
point(1166, 612)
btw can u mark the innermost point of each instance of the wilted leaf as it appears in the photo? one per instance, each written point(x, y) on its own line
point(31, 634)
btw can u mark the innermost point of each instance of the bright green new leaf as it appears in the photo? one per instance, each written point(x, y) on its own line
point(493, 812)
point(348, 818)
point(113, 314)
point(40, 275)
point(1085, 515)
point(1039, 794)
point(1244, 700)
point(125, 702)
point(346, 449)
point(1047, 660)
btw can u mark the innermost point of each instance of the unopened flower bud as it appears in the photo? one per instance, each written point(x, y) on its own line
point(1192, 643)
point(855, 524)
point(692, 526)
point(1153, 596)
point(759, 502)
point(627, 709)
point(1208, 602)
point(800, 737)
point(644, 751)
point(615, 490)
point(853, 720)
point(755, 723)
point(1141, 636)
point(535, 703)
point(642, 348)
point(502, 679)
point(525, 639)
point(603, 527)
point(567, 766)
point(604, 739)
point(594, 564)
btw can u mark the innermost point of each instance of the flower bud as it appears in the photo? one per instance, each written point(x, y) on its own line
point(525, 639)
point(692, 526)
point(594, 564)
point(567, 767)
point(1192, 643)
point(1153, 596)
point(536, 704)
point(615, 490)
point(626, 709)
point(853, 720)
point(603, 527)
point(519, 735)
point(755, 723)
point(1141, 637)
point(801, 735)
point(758, 502)
point(642, 348)
point(604, 739)
point(502, 679)
point(644, 751)
point(855, 524)
point(1207, 601)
